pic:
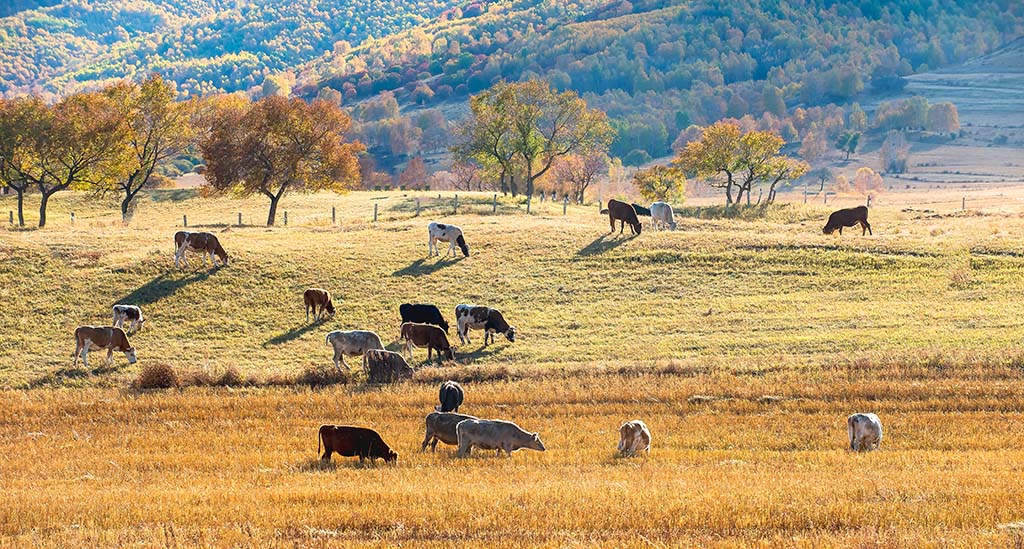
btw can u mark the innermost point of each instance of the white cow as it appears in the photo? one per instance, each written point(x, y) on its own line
point(352, 343)
point(865, 432)
point(661, 216)
point(445, 233)
point(131, 313)
point(634, 437)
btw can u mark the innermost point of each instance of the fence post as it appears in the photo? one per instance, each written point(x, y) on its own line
point(826, 198)
point(456, 204)
point(72, 218)
point(963, 203)
point(599, 207)
point(334, 217)
point(418, 206)
point(184, 220)
point(869, 201)
point(565, 204)
point(375, 213)
point(805, 196)
point(495, 208)
point(286, 218)
point(528, 198)
point(10, 216)
point(239, 219)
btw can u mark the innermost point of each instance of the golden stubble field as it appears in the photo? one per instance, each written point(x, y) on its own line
point(743, 344)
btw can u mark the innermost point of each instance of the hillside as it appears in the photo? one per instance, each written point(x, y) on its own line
point(204, 45)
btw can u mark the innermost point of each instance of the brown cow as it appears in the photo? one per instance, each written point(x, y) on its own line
point(203, 243)
point(353, 441)
point(624, 213)
point(315, 298)
point(95, 338)
point(386, 367)
point(429, 336)
point(848, 218)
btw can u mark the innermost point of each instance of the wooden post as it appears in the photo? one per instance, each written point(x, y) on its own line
point(239, 219)
point(599, 208)
point(495, 208)
point(528, 204)
point(565, 204)
point(286, 218)
point(963, 203)
point(826, 198)
point(10, 216)
point(184, 220)
point(805, 196)
point(374, 213)
point(72, 218)
point(869, 201)
point(418, 206)
point(334, 215)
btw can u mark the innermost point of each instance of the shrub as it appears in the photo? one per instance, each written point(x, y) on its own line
point(157, 376)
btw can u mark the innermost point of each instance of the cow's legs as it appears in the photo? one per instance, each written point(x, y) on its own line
point(85, 355)
point(343, 363)
point(337, 355)
point(611, 220)
point(622, 226)
point(78, 351)
point(864, 228)
point(426, 440)
point(430, 348)
point(110, 357)
point(326, 458)
point(431, 246)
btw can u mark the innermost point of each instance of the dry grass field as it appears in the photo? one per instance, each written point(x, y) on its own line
point(742, 343)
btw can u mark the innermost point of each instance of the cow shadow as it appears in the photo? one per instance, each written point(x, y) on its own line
point(420, 267)
point(294, 333)
point(68, 373)
point(314, 465)
point(481, 352)
point(602, 244)
point(162, 286)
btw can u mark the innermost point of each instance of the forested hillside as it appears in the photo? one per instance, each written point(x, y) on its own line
point(204, 45)
point(658, 66)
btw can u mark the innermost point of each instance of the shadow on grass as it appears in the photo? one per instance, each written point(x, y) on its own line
point(293, 333)
point(162, 286)
point(602, 244)
point(172, 195)
point(337, 462)
point(481, 352)
point(67, 373)
point(420, 267)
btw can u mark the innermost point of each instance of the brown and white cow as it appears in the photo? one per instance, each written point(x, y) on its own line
point(429, 336)
point(318, 301)
point(204, 244)
point(487, 319)
point(96, 338)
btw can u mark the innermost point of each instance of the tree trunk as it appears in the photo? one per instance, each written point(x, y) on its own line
point(512, 185)
point(124, 208)
point(273, 210)
point(21, 206)
point(42, 210)
point(504, 187)
point(728, 194)
point(529, 177)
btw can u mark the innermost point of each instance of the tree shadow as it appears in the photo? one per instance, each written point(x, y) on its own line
point(162, 286)
point(292, 334)
point(603, 244)
point(420, 267)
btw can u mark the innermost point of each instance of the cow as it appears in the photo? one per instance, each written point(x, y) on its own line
point(386, 366)
point(316, 298)
point(489, 320)
point(203, 243)
point(441, 427)
point(422, 313)
point(662, 216)
point(848, 217)
point(353, 441)
point(451, 397)
point(620, 211)
point(352, 343)
point(634, 437)
point(445, 233)
point(865, 432)
point(426, 335)
point(96, 338)
point(640, 210)
point(494, 434)
point(131, 313)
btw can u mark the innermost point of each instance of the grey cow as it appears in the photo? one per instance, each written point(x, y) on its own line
point(441, 427)
point(352, 343)
point(494, 434)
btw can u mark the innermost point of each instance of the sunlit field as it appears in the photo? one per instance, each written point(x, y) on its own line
point(742, 343)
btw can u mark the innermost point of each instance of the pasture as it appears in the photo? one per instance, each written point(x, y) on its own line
point(742, 343)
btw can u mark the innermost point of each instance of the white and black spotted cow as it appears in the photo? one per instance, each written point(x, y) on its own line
point(489, 320)
point(131, 313)
point(445, 233)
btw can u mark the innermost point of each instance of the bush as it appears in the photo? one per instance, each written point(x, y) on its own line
point(157, 376)
point(315, 376)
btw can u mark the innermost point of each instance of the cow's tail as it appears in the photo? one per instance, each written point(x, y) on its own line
point(319, 439)
point(328, 339)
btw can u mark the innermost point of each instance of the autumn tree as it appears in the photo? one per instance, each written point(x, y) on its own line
point(414, 175)
point(486, 138)
point(894, 153)
point(813, 146)
point(157, 130)
point(275, 145)
point(660, 183)
point(579, 172)
point(847, 142)
point(943, 117)
point(714, 157)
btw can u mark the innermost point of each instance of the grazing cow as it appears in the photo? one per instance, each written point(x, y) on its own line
point(482, 318)
point(634, 437)
point(96, 338)
point(316, 298)
point(445, 233)
point(353, 441)
point(620, 211)
point(848, 218)
point(202, 243)
point(429, 336)
point(131, 313)
point(422, 313)
point(386, 367)
point(352, 343)
point(451, 397)
point(662, 216)
point(640, 210)
point(865, 431)
point(494, 434)
point(441, 427)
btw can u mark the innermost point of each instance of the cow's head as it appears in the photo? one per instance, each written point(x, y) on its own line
point(391, 457)
point(637, 227)
point(449, 354)
point(829, 229)
point(130, 355)
point(672, 225)
point(510, 333)
point(535, 443)
point(223, 255)
point(330, 308)
point(142, 321)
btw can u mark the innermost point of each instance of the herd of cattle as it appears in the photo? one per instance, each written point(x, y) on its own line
point(423, 325)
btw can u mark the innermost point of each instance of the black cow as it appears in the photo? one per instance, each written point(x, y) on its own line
point(848, 218)
point(451, 397)
point(422, 313)
point(640, 210)
point(353, 441)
